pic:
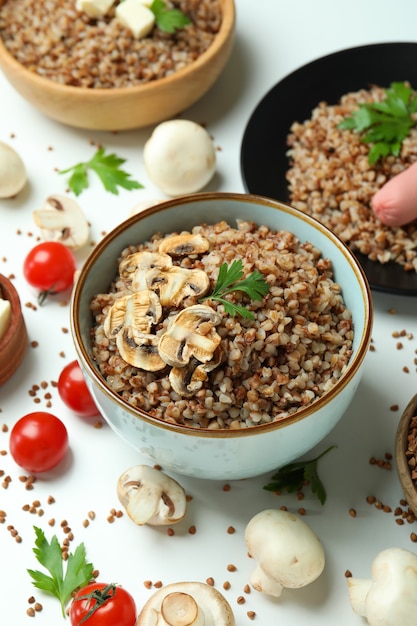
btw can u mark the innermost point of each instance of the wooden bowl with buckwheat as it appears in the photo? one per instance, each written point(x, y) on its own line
point(106, 79)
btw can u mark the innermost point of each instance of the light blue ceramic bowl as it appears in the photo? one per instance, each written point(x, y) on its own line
point(221, 454)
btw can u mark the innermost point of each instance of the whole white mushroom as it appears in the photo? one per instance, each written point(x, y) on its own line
point(287, 551)
point(186, 604)
point(12, 171)
point(180, 157)
point(389, 597)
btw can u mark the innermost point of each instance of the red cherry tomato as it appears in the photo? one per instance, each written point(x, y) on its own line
point(74, 392)
point(50, 267)
point(99, 604)
point(38, 441)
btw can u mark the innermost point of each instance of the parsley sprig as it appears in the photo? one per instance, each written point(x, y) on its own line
point(231, 279)
point(294, 476)
point(77, 574)
point(107, 168)
point(385, 124)
point(168, 20)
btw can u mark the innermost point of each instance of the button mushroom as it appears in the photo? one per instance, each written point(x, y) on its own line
point(61, 219)
point(151, 497)
point(191, 334)
point(186, 604)
point(287, 551)
point(187, 243)
point(180, 157)
point(174, 284)
point(12, 171)
point(135, 267)
point(389, 597)
point(186, 381)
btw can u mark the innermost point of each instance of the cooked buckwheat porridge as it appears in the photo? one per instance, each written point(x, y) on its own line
point(330, 178)
point(55, 40)
point(238, 372)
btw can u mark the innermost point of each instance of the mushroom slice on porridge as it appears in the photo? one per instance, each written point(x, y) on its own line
point(174, 284)
point(139, 349)
point(181, 245)
point(141, 311)
point(186, 381)
point(192, 334)
point(134, 267)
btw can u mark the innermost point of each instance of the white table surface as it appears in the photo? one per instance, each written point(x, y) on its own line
point(273, 39)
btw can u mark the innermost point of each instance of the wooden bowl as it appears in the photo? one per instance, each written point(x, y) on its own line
point(401, 446)
point(14, 342)
point(128, 107)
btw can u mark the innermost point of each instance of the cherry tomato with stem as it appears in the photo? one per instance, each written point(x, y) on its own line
point(74, 392)
point(38, 441)
point(101, 604)
point(49, 267)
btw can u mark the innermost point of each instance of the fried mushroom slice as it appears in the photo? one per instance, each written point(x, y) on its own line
point(139, 349)
point(186, 381)
point(181, 245)
point(151, 497)
point(141, 310)
point(173, 284)
point(134, 267)
point(191, 334)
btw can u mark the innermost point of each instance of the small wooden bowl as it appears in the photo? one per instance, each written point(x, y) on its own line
point(129, 107)
point(403, 468)
point(14, 343)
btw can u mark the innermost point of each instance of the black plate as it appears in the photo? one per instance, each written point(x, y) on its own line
point(263, 151)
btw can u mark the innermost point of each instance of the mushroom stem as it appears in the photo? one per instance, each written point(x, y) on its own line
point(264, 583)
point(180, 609)
point(358, 589)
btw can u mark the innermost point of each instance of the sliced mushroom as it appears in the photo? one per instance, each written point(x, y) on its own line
point(135, 266)
point(191, 334)
point(140, 310)
point(186, 381)
point(139, 349)
point(173, 284)
point(187, 243)
point(151, 497)
point(186, 604)
point(61, 219)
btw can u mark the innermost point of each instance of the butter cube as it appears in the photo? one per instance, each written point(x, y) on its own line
point(133, 14)
point(94, 8)
point(5, 316)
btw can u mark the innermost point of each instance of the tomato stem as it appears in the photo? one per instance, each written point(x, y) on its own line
point(45, 293)
point(100, 596)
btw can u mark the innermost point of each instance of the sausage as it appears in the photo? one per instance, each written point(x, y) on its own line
point(395, 204)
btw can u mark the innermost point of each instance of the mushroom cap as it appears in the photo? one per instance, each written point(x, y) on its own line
point(287, 551)
point(391, 598)
point(12, 171)
point(215, 609)
point(180, 157)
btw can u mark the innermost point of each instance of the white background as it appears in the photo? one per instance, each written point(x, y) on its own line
point(273, 38)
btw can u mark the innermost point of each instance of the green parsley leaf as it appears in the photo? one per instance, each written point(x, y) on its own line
point(229, 279)
point(107, 168)
point(168, 20)
point(294, 476)
point(77, 574)
point(384, 124)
